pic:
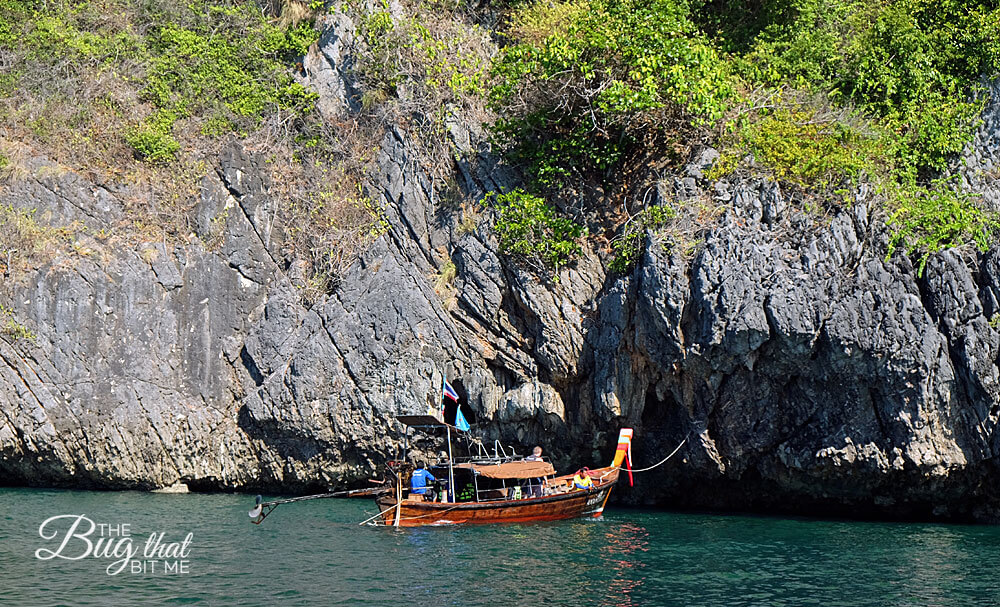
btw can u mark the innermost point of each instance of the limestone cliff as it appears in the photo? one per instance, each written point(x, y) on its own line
point(806, 372)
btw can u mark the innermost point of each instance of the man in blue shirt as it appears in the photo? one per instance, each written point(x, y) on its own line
point(418, 482)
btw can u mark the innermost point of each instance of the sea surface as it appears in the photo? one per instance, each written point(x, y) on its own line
point(315, 553)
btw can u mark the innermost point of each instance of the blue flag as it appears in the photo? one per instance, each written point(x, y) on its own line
point(460, 422)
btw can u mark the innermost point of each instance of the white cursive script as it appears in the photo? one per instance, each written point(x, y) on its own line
point(75, 535)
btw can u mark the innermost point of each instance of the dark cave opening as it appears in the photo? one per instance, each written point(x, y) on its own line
point(451, 407)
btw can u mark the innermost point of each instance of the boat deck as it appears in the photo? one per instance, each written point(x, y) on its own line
point(564, 503)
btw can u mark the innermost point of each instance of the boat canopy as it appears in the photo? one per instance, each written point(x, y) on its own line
point(522, 469)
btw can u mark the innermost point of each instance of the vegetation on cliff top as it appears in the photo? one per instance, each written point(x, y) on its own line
point(141, 97)
point(94, 81)
point(822, 94)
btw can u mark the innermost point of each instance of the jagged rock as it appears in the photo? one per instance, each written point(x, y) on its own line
point(702, 161)
point(61, 196)
point(329, 68)
point(979, 166)
point(801, 368)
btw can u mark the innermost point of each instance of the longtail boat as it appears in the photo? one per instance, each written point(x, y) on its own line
point(482, 487)
point(498, 488)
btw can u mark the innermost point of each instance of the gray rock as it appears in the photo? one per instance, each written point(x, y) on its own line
point(803, 371)
point(329, 67)
point(977, 167)
point(701, 161)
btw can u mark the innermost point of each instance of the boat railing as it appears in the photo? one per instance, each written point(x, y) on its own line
point(498, 449)
point(518, 491)
point(487, 460)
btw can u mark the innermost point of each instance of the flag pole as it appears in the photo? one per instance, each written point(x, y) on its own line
point(451, 469)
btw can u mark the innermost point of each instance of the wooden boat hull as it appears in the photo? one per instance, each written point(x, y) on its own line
point(572, 504)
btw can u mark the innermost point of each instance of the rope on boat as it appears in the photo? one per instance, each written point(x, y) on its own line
point(664, 460)
point(413, 518)
point(370, 518)
point(406, 518)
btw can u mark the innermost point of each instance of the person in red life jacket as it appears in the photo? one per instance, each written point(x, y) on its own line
point(418, 482)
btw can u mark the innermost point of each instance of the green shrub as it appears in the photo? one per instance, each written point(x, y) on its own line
point(205, 70)
point(380, 68)
point(439, 58)
point(153, 140)
point(822, 94)
point(530, 229)
point(223, 65)
point(376, 26)
point(581, 78)
point(801, 148)
point(10, 327)
point(628, 245)
point(448, 64)
point(926, 220)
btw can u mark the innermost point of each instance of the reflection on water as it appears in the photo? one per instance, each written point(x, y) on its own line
point(621, 544)
point(315, 553)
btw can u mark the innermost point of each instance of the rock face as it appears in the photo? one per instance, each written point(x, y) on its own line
point(809, 369)
point(802, 370)
point(980, 164)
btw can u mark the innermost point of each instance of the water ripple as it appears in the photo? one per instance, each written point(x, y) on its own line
point(314, 552)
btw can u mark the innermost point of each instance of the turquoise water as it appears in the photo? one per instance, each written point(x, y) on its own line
point(314, 553)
